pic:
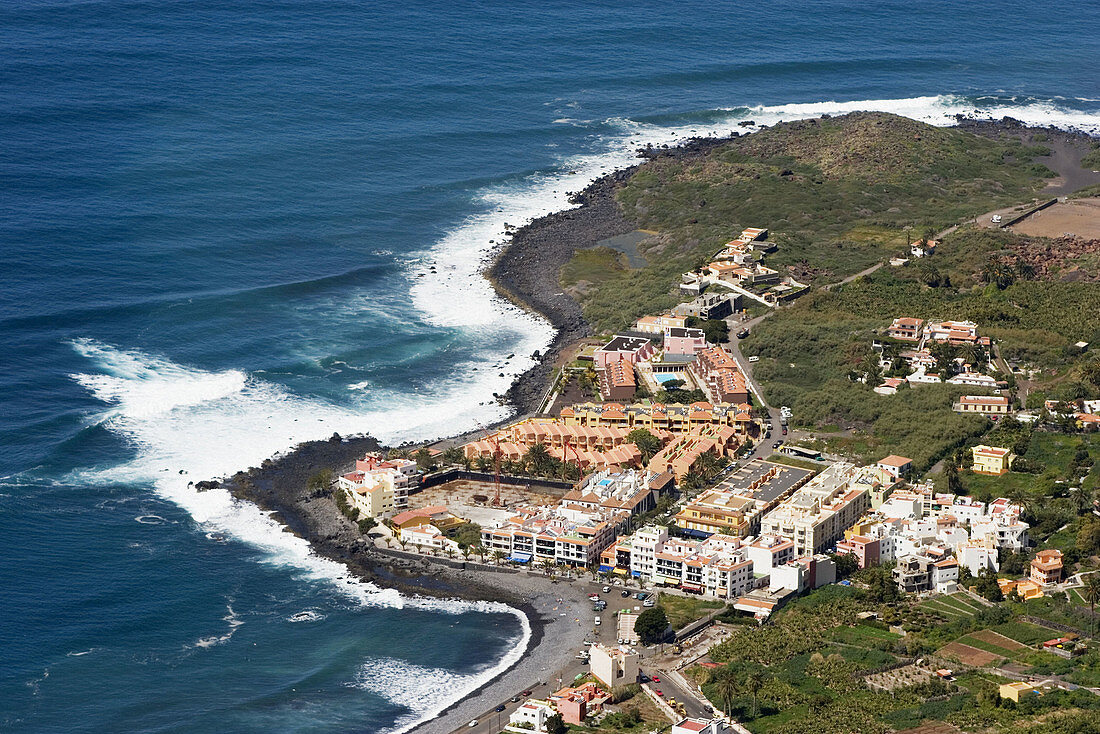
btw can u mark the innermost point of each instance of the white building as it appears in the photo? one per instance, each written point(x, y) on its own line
point(817, 515)
point(530, 716)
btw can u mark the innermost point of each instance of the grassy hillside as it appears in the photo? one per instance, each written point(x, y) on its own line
point(835, 194)
point(806, 351)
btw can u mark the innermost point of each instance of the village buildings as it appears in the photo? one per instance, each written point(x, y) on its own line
point(988, 405)
point(817, 515)
point(577, 529)
point(717, 372)
point(990, 460)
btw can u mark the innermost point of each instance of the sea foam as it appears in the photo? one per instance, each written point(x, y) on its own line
point(212, 423)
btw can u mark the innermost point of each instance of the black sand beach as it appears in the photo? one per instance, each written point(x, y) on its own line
point(526, 272)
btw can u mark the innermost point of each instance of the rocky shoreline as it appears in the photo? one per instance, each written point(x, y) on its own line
point(553, 608)
point(526, 272)
point(526, 269)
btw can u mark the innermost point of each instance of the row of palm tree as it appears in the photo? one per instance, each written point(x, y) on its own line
point(729, 685)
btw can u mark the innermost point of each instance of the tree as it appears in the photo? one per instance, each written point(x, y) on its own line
point(727, 687)
point(986, 584)
point(1088, 538)
point(651, 625)
point(538, 458)
point(753, 683)
point(716, 331)
point(646, 442)
point(454, 456)
point(320, 482)
point(556, 725)
point(1092, 595)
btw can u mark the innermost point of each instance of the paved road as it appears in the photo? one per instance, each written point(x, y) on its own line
point(492, 721)
point(763, 448)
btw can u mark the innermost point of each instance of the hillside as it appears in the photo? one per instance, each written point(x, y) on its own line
point(834, 192)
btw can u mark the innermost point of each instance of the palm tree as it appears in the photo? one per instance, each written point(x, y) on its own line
point(538, 458)
point(451, 553)
point(1082, 500)
point(727, 688)
point(1092, 596)
point(466, 551)
point(419, 547)
point(1021, 497)
point(498, 555)
point(402, 542)
point(753, 683)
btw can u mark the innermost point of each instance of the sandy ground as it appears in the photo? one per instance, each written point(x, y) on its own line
point(1077, 218)
point(458, 497)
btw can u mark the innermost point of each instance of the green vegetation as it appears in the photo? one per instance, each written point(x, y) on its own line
point(835, 194)
point(651, 625)
point(682, 611)
point(815, 354)
point(467, 535)
point(805, 670)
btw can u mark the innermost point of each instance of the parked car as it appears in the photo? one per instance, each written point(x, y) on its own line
point(784, 430)
point(515, 699)
point(597, 621)
point(641, 596)
point(754, 358)
point(607, 589)
point(776, 444)
point(624, 594)
point(996, 219)
point(656, 679)
point(500, 707)
point(648, 603)
point(742, 334)
point(472, 724)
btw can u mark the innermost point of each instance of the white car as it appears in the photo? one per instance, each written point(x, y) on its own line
point(996, 219)
point(597, 621)
point(754, 359)
point(472, 724)
point(607, 589)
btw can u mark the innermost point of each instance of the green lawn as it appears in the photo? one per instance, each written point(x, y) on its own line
point(941, 606)
point(682, 611)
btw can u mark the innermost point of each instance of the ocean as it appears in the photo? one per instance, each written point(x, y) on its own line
point(227, 227)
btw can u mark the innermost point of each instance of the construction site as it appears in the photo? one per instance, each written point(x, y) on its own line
point(477, 500)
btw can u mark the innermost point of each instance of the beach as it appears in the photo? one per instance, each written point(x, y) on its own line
point(525, 272)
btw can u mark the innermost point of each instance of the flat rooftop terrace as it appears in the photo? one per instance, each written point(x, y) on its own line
point(787, 477)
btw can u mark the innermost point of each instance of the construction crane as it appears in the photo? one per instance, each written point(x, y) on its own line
point(568, 446)
point(497, 454)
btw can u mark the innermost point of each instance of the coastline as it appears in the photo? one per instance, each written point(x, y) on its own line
point(552, 608)
point(525, 271)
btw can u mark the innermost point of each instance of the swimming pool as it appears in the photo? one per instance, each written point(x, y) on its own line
point(663, 377)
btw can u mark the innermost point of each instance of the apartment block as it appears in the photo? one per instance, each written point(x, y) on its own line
point(817, 515)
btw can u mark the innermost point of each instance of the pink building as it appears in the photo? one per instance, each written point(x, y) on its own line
point(684, 342)
point(633, 349)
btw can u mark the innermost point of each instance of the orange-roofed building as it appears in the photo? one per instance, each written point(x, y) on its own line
point(1046, 567)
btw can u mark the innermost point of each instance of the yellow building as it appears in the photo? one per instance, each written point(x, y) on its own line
point(718, 512)
point(675, 418)
point(1014, 690)
point(1025, 588)
point(373, 500)
point(992, 460)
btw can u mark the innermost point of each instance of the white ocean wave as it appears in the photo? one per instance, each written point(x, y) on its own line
point(428, 691)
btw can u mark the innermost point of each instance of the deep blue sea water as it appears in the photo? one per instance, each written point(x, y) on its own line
point(217, 221)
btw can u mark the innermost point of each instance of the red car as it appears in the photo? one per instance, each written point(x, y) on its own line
point(660, 692)
point(656, 679)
